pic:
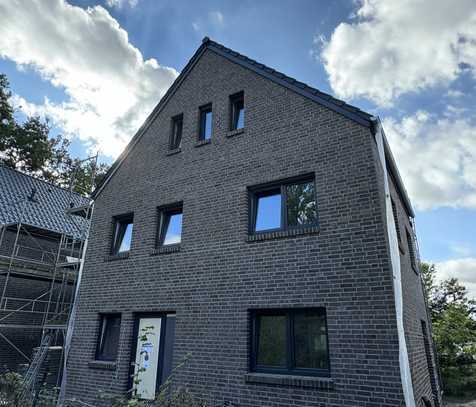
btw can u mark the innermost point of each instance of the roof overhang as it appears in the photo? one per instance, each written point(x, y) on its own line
point(392, 167)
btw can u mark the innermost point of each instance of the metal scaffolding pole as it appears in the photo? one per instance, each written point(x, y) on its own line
point(13, 253)
point(59, 267)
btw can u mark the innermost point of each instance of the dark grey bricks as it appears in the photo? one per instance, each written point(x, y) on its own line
point(218, 275)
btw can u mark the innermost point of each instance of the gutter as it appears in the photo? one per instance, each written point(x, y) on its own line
point(405, 373)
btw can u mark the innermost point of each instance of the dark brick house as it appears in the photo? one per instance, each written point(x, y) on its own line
point(251, 222)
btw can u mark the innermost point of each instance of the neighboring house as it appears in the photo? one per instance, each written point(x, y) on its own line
point(33, 222)
point(251, 223)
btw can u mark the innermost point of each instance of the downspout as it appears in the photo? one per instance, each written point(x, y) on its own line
point(405, 372)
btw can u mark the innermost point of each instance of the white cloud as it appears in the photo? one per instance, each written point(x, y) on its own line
point(464, 269)
point(461, 249)
point(109, 85)
point(214, 19)
point(120, 3)
point(452, 93)
point(436, 157)
point(392, 47)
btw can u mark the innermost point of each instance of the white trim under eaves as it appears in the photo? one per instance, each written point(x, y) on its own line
point(405, 372)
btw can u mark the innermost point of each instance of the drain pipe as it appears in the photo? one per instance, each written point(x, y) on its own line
point(405, 372)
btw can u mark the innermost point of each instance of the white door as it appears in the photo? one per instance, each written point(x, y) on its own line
point(147, 357)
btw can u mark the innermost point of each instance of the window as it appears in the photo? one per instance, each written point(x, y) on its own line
point(395, 218)
point(429, 361)
point(108, 341)
point(170, 225)
point(411, 250)
point(122, 233)
point(205, 132)
point(283, 206)
point(176, 134)
point(290, 342)
point(237, 103)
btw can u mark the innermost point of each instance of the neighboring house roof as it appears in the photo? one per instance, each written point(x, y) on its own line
point(339, 106)
point(38, 203)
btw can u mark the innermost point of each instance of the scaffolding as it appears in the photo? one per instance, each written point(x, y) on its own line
point(53, 257)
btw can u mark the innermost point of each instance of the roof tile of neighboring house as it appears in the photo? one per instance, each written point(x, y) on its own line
point(45, 209)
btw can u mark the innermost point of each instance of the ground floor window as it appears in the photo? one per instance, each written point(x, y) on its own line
point(290, 341)
point(108, 340)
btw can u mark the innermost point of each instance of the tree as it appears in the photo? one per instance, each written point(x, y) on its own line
point(453, 317)
point(29, 148)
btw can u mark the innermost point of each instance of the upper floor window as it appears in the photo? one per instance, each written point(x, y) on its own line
point(170, 225)
point(122, 233)
point(283, 206)
point(176, 132)
point(237, 103)
point(108, 340)
point(290, 342)
point(411, 250)
point(395, 218)
point(205, 131)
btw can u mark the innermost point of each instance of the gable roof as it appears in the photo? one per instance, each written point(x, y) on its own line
point(45, 209)
point(351, 112)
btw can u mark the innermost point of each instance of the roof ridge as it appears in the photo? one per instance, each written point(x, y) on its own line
point(288, 78)
point(3, 165)
point(329, 101)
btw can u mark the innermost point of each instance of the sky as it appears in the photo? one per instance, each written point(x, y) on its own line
point(97, 68)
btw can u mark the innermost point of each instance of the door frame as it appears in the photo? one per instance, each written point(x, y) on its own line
point(135, 335)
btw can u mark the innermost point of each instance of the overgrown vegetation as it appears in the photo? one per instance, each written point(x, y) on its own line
point(453, 317)
point(165, 397)
point(12, 391)
point(28, 147)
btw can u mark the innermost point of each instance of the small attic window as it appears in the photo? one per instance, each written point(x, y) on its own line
point(237, 110)
point(176, 132)
point(205, 131)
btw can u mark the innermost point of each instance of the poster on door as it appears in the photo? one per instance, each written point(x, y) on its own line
point(146, 353)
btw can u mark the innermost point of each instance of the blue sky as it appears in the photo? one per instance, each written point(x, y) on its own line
point(97, 68)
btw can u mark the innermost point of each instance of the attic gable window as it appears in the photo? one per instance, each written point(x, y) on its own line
point(170, 225)
point(205, 130)
point(283, 206)
point(237, 103)
point(123, 226)
point(176, 132)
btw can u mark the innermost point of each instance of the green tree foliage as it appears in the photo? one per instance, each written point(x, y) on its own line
point(453, 317)
point(29, 148)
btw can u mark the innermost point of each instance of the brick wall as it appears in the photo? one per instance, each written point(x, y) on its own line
point(414, 309)
point(218, 276)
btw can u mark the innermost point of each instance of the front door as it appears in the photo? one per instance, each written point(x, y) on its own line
point(153, 356)
point(147, 357)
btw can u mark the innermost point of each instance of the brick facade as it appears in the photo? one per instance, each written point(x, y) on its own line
point(218, 274)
